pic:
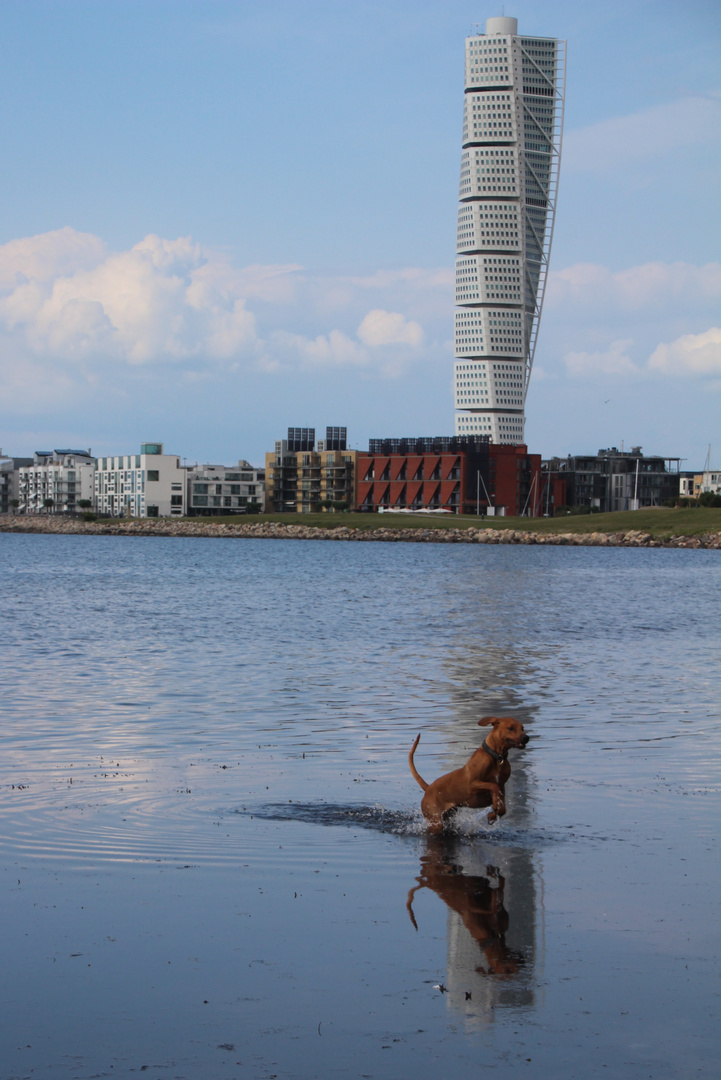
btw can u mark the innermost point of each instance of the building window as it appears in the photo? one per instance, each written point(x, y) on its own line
point(176, 500)
point(153, 474)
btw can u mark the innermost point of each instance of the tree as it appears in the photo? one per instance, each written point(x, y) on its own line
point(85, 504)
point(48, 504)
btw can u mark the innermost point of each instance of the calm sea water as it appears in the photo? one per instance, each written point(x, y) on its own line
point(212, 862)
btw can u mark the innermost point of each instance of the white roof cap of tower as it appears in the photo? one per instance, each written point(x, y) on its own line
point(500, 24)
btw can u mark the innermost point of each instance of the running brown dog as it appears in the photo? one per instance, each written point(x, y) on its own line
point(480, 782)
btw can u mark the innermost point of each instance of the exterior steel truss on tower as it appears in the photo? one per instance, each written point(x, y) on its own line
point(544, 80)
point(512, 131)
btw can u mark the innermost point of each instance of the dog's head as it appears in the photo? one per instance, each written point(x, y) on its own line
point(510, 731)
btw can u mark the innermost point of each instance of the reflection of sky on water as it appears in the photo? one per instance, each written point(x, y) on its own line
point(214, 708)
point(171, 655)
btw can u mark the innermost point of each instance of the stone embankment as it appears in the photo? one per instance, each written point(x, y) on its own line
point(281, 531)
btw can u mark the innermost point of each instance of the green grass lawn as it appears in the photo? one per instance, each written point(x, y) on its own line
point(658, 522)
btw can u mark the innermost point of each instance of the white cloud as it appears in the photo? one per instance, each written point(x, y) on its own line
point(651, 133)
point(389, 328)
point(78, 321)
point(334, 349)
point(614, 361)
point(154, 303)
point(273, 284)
point(649, 285)
point(692, 354)
point(70, 306)
point(650, 313)
point(49, 255)
point(540, 374)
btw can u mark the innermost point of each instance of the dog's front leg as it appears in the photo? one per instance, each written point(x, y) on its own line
point(497, 800)
point(499, 806)
point(496, 791)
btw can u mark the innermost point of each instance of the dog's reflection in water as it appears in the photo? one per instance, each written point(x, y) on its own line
point(478, 900)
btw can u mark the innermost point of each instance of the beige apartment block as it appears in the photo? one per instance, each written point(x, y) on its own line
point(310, 480)
point(144, 485)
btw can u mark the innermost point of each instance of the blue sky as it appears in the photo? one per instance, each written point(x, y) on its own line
point(221, 219)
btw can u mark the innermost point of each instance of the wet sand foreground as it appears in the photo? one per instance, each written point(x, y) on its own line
point(212, 862)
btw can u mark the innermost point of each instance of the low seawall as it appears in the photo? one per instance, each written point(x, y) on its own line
point(281, 531)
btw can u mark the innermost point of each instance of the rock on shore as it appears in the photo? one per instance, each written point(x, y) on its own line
point(282, 531)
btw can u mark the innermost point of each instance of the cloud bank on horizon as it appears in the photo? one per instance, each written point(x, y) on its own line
point(78, 321)
point(66, 299)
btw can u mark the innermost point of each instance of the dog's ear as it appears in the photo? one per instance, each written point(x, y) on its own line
point(485, 720)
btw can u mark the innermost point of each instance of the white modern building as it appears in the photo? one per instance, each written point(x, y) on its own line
point(144, 485)
point(225, 489)
point(709, 481)
point(512, 126)
point(56, 482)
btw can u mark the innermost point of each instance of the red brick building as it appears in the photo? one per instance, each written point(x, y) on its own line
point(462, 474)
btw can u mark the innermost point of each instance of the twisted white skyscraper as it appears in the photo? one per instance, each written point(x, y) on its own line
point(512, 126)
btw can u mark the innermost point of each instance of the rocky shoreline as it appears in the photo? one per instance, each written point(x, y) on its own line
point(281, 531)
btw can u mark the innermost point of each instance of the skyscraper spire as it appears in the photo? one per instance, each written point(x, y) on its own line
point(512, 126)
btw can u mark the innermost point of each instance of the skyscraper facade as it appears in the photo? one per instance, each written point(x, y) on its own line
point(512, 127)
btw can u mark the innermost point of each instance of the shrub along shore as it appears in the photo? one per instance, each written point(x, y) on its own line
point(692, 528)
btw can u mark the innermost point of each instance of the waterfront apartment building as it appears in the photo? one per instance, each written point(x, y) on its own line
point(145, 485)
point(617, 479)
point(56, 481)
point(9, 482)
point(510, 158)
point(709, 481)
point(687, 484)
point(302, 478)
point(691, 485)
point(460, 474)
point(225, 489)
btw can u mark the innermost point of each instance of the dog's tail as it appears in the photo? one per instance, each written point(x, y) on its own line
point(414, 770)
